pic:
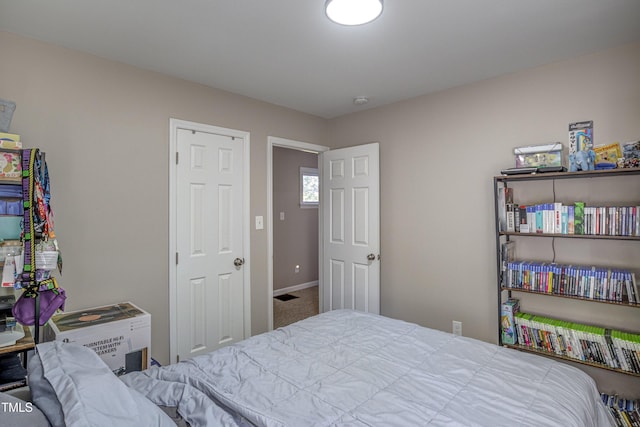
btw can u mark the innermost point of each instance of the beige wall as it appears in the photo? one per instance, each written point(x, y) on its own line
point(438, 154)
point(105, 129)
point(295, 240)
point(105, 125)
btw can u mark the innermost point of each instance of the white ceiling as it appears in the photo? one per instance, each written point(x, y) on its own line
point(288, 53)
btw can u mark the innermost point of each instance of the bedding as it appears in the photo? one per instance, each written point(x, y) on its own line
point(338, 368)
point(72, 386)
point(351, 368)
point(16, 412)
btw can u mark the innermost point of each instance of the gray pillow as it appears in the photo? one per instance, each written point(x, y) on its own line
point(18, 413)
point(42, 393)
point(90, 394)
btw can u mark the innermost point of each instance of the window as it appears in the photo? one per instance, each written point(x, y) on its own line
point(309, 187)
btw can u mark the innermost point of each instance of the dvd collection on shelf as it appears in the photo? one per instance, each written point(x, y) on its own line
point(604, 347)
point(626, 412)
point(576, 218)
point(588, 221)
point(589, 282)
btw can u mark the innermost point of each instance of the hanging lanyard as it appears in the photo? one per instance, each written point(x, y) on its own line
point(29, 267)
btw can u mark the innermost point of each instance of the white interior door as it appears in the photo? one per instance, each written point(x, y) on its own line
point(209, 294)
point(351, 228)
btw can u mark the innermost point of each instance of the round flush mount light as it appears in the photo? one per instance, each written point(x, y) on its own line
point(353, 12)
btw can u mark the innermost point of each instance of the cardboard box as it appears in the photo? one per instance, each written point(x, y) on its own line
point(507, 322)
point(120, 334)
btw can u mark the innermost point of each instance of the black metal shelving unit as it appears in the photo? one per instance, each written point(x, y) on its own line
point(502, 181)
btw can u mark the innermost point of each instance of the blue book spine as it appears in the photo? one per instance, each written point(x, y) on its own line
point(564, 220)
point(531, 218)
point(572, 276)
point(539, 213)
point(570, 219)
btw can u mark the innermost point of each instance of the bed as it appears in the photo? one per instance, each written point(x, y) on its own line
point(338, 368)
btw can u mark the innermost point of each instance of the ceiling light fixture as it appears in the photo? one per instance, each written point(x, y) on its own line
point(353, 12)
point(360, 100)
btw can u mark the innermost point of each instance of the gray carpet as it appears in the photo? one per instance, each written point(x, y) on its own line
point(287, 312)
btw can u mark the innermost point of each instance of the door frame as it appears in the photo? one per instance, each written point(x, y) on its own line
point(174, 125)
point(274, 141)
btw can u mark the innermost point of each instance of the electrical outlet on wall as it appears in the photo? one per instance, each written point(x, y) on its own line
point(457, 328)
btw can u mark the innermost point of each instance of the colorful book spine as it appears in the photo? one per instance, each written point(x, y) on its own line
point(578, 219)
point(606, 347)
point(524, 220)
point(539, 209)
point(531, 218)
point(589, 282)
point(571, 219)
point(557, 218)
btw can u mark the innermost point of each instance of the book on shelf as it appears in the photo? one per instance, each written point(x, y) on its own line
point(511, 221)
point(522, 226)
point(539, 210)
point(564, 219)
point(571, 219)
point(505, 197)
point(578, 218)
point(507, 255)
point(508, 327)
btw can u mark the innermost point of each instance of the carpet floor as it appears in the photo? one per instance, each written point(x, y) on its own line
point(287, 312)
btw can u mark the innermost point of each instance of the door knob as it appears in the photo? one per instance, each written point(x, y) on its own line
point(371, 257)
point(238, 262)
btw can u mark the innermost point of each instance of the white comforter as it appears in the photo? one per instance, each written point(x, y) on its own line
point(351, 368)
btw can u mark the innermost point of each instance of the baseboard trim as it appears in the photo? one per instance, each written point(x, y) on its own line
point(301, 286)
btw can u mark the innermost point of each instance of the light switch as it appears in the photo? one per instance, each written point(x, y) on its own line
point(281, 216)
point(259, 223)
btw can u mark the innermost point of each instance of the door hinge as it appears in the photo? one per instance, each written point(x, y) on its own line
point(176, 258)
point(178, 358)
point(176, 157)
